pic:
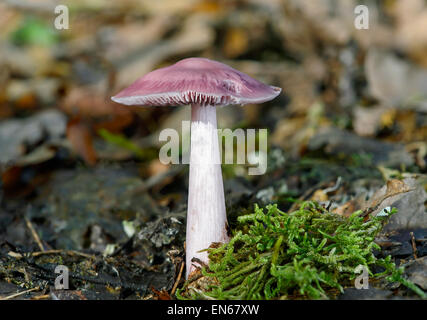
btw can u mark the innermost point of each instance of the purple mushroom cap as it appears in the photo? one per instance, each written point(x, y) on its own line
point(196, 81)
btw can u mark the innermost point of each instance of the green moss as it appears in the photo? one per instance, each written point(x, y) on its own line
point(33, 31)
point(310, 253)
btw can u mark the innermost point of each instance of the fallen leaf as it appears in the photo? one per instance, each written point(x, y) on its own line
point(408, 197)
point(395, 82)
point(417, 272)
point(160, 295)
point(19, 135)
point(335, 142)
point(367, 121)
point(236, 42)
point(80, 138)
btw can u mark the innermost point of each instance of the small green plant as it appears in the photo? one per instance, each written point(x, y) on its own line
point(303, 254)
point(122, 141)
point(33, 31)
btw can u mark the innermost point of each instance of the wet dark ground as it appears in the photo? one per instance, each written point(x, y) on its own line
point(119, 240)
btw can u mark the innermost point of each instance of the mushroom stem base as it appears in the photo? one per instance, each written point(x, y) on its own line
point(206, 216)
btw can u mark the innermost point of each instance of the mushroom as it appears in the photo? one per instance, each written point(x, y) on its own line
point(204, 84)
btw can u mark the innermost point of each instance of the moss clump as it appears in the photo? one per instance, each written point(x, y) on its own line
point(277, 255)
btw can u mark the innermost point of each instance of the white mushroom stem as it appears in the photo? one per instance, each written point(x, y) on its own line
point(206, 216)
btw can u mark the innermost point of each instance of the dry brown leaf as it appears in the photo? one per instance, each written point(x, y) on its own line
point(126, 40)
point(236, 42)
point(389, 194)
point(367, 121)
point(408, 196)
point(160, 294)
point(394, 187)
point(420, 150)
point(80, 138)
point(90, 102)
point(349, 207)
point(196, 34)
point(411, 18)
point(209, 6)
point(319, 196)
point(156, 167)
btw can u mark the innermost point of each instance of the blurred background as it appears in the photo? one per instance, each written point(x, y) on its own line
point(85, 170)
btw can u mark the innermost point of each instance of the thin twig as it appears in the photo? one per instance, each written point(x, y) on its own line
point(335, 187)
point(41, 297)
point(178, 278)
point(69, 252)
point(414, 246)
point(19, 294)
point(34, 234)
point(47, 252)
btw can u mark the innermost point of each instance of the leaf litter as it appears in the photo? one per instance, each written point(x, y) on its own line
point(86, 186)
